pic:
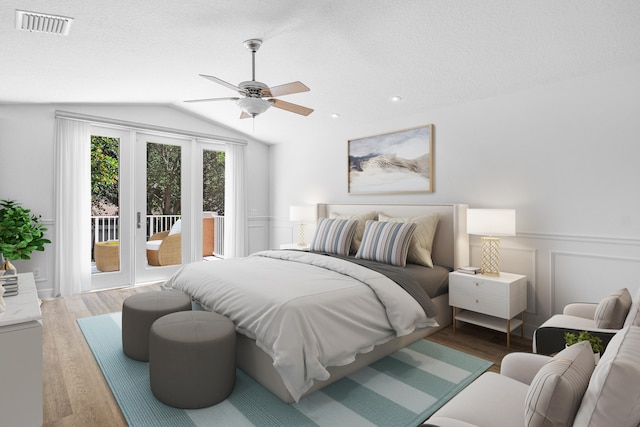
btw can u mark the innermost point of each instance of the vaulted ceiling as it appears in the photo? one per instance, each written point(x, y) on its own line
point(354, 55)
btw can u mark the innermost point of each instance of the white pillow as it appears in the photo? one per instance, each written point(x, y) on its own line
point(555, 392)
point(422, 240)
point(362, 219)
point(613, 309)
point(176, 227)
point(613, 395)
point(633, 318)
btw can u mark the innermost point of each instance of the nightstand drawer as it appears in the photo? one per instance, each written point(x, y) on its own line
point(485, 304)
point(477, 286)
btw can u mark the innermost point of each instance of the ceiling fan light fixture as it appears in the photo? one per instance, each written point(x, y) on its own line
point(253, 106)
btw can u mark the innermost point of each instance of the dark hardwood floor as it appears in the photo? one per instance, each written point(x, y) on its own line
point(76, 393)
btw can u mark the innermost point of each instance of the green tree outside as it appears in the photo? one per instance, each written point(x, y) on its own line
point(104, 173)
point(213, 181)
point(163, 178)
point(164, 167)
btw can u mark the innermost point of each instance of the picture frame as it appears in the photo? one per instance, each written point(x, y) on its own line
point(392, 163)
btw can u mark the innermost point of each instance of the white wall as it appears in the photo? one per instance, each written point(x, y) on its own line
point(27, 170)
point(565, 156)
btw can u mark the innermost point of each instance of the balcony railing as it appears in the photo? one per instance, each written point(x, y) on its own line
point(106, 228)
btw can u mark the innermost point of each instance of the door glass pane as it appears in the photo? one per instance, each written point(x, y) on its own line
point(213, 164)
point(164, 245)
point(105, 202)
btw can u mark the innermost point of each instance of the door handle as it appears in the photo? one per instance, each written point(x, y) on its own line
point(139, 220)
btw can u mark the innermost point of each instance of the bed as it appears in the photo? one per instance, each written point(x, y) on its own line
point(307, 306)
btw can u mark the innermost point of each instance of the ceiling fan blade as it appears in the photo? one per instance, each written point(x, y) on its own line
point(223, 83)
point(286, 89)
point(244, 115)
point(212, 99)
point(294, 108)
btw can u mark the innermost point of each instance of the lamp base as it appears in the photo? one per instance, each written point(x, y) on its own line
point(490, 256)
point(301, 241)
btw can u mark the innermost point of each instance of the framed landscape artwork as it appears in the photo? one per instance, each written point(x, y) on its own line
point(396, 162)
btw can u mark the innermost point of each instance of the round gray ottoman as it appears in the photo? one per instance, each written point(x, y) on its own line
point(192, 359)
point(138, 314)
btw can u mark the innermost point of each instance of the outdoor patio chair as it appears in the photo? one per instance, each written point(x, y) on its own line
point(165, 247)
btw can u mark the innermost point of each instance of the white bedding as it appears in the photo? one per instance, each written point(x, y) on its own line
point(306, 311)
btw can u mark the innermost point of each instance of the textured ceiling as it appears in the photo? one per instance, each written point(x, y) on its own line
point(353, 54)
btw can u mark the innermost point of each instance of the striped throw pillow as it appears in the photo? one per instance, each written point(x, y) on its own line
point(334, 236)
point(386, 242)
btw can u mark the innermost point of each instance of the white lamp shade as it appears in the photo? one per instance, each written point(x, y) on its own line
point(491, 222)
point(304, 214)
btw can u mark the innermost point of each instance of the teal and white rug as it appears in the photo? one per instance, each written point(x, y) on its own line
point(402, 389)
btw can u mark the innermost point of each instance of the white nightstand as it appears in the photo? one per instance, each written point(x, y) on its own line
point(489, 301)
point(304, 247)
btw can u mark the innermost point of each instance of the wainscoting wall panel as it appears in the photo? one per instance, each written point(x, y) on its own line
point(591, 276)
point(258, 239)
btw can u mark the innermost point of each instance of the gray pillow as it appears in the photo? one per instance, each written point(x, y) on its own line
point(613, 309)
point(556, 391)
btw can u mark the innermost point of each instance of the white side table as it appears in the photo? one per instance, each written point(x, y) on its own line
point(489, 301)
point(21, 356)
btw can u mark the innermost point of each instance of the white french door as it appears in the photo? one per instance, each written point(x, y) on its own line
point(147, 201)
point(112, 231)
point(162, 197)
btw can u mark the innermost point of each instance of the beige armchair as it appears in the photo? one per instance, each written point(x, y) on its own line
point(602, 319)
point(165, 247)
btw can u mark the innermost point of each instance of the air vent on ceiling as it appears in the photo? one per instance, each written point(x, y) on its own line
point(42, 22)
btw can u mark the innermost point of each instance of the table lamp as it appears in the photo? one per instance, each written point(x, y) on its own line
point(490, 223)
point(302, 215)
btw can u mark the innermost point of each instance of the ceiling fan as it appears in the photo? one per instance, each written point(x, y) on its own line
point(257, 96)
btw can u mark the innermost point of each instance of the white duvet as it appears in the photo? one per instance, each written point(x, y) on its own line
point(306, 311)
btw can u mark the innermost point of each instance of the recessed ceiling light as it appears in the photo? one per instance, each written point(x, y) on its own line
point(396, 99)
point(335, 115)
point(43, 23)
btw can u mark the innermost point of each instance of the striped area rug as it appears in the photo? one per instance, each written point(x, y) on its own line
point(402, 389)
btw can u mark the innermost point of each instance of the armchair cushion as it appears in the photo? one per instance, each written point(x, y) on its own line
point(522, 367)
point(586, 310)
point(613, 309)
point(555, 393)
point(613, 395)
point(446, 422)
point(492, 400)
point(153, 245)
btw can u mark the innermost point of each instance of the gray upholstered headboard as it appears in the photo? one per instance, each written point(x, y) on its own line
point(451, 242)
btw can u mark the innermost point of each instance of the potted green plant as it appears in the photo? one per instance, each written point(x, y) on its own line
point(596, 342)
point(20, 233)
